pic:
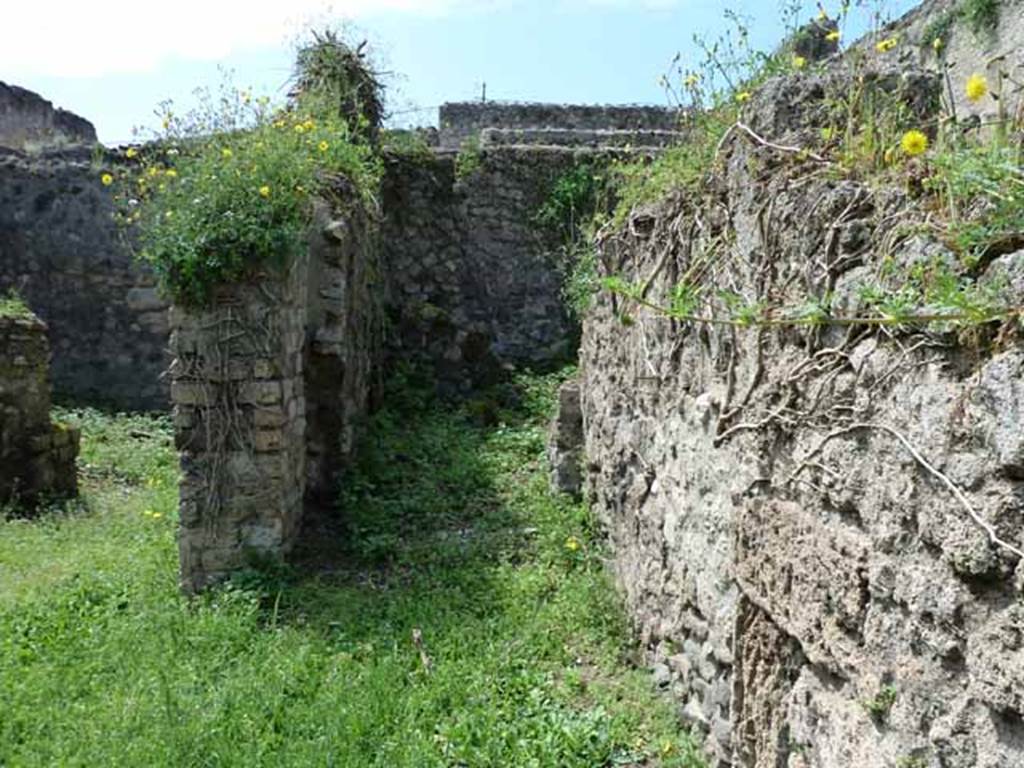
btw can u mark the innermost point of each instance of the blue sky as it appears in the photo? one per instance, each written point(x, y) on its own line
point(113, 61)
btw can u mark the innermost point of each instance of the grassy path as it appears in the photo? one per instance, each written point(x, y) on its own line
point(452, 536)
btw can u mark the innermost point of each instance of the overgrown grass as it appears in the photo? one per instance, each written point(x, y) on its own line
point(453, 533)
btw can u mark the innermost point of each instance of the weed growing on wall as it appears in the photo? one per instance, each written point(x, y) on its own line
point(12, 305)
point(966, 179)
point(469, 160)
point(226, 190)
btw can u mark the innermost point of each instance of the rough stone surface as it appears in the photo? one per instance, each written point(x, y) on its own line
point(270, 386)
point(821, 598)
point(966, 51)
point(28, 122)
point(37, 457)
point(61, 250)
point(474, 284)
point(565, 441)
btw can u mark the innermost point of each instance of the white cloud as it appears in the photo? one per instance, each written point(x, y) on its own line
point(75, 38)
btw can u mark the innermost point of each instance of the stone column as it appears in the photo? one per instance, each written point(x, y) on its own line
point(240, 424)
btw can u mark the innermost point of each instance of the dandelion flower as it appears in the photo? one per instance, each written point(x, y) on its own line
point(300, 128)
point(914, 143)
point(572, 544)
point(882, 46)
point(799, 62)
point(309, 125)
point(743, 96)
point(153, 172)
point(171, 173)
point(833, 36)
point(106, 179)
point(977, 87)
point(132, 152)
point(226, 152)
point(691, 80)
point(323, 146)
point(264, 191)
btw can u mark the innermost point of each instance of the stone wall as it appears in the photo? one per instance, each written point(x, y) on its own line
point(474, 284)
point(60, 248)
point(28, 122)
point(966, 51)
point(794, 512)
point(37, 457)
point(270, 385)
point(460, 121)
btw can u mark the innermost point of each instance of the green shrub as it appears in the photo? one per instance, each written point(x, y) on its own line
point(227, 189)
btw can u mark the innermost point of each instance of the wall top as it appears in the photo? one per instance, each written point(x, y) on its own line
point(28, 122)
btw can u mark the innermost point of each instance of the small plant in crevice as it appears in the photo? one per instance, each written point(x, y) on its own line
point(879, 705)
point(469, 159)
point(12, 305)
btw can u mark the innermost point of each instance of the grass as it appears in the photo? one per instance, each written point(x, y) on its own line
point(451, 531)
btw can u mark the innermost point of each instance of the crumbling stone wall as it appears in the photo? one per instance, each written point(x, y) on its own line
point(988, 50)
point(270, 384)
point(30, 123)
point(474, 284)
point(37, 457)
point(62, 251)
point(460, 121)
point(794, 513)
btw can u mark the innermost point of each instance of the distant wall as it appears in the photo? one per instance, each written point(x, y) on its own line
point(28, 122)
point(462, 120)
point(473, 283)
point(60, 248)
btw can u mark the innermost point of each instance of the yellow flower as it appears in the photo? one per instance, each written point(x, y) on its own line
point(977, 87)
point(833, 36)
point(106, 179)
point(167, 215)
point(914, 143)
point(132, 152)
point(822, 14)
point(691, 80)
point(153, 171)
point(743, 96)
point(280, 123)
point(323, 146)
point(226, 152)
point(300, 128)
point(572, 544)
point(171, 173)
point(799, 62)
point(887, 44)
point(309, 125)
point(264, 191)
point(937, 44)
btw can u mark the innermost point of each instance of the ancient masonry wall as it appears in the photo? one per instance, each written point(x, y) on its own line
point(460, 121)
point(810, 591)
point(37, 457)
point(61, 250)
point(269, 385)
point(474, 285)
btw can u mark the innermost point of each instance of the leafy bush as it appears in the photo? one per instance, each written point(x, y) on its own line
point(226, 190)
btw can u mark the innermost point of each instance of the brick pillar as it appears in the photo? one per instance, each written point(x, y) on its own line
point(240, 424)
